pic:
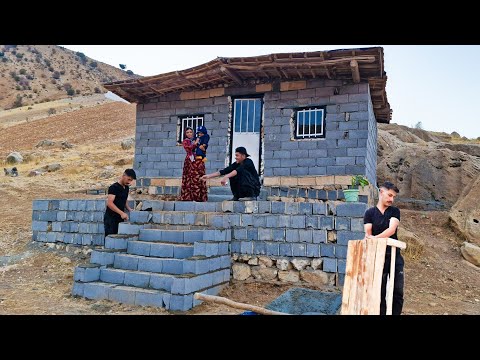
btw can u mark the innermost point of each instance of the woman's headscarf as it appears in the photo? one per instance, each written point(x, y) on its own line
point(185, 132)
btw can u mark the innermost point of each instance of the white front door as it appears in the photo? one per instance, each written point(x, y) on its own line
point(247, 115)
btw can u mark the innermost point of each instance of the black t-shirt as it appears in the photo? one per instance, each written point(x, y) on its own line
point(380, 222)
point(247, 175)
point(121, 195)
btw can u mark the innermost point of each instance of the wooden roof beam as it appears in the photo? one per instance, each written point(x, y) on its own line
point(231, 74)
point(355, 71)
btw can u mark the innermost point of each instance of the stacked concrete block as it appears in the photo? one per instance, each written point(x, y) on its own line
point(77, 222)
point(161, 268)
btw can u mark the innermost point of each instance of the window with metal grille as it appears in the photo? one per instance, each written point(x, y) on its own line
point(247, 115)
point(310, 123)
point(189, 121)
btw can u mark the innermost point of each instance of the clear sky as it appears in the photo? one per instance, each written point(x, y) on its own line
point(437, 85)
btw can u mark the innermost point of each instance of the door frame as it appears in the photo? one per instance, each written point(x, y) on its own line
point(260, 96)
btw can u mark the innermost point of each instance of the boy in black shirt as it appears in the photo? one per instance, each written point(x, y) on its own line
point(382, 221)
point(117, 202)
point(244, 179)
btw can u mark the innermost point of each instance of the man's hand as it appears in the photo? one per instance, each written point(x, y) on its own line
point(224, 181)
point(124, 216)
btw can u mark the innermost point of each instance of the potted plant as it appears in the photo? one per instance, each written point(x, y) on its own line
point(351, 195)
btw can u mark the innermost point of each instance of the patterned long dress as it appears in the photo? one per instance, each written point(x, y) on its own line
point(193, 187)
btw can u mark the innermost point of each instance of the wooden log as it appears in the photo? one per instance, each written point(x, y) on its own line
point(355, 71)
point(236, 305)
point(231, 74)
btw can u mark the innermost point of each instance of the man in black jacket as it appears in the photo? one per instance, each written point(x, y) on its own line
point(244, 179)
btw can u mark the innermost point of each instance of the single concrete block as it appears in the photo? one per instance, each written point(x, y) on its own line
point(137, 279)
point(285, 249)
point(326, 223)
point(291, 208)
point(319, 208)
point(264, 234)
point(341, 264)
point(278, 234)
point(305, 208)
point(246, 247)
point(122, 294)
point(39, 225)
point(312, 221)
point(97, 290)
point(278, 207)
point(299, 249)
point(292, 236)
point(113, 276)
point(183, 252)
point(41, 205)
point(139, 216)
point(161, 282)
point(211, 249)
point(148, 298)
point(259, 248)
point(116, 243)
point(341, 251)
point(330, 265)
point(86, 273)
point(78, 289)
point(351, 209)
point(192, 236)
point(129, 229)
point(305, 236)
point(180, 302)
point(252, 234)
point(344, 236)
point(342, 223)
point(319, 236)
point(126, 261)
point(102, 257)
point(138, 248)
point(247, 219)
point(298, 221)
point(150, 265)
point(327, 250)
point(172, 266)
point(313, 250)
point(357, 224)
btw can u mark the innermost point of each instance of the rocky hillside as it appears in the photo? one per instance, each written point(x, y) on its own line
point(32, 74)
point(434, 171)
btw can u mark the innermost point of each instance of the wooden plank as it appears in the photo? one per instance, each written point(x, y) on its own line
point(357, 285)
point(368, 275)
point(391, 282)
point(231, 74)
point(362, 275)
point(396, 243)
point(374, 304)
point(352, 296)
point(348, 277)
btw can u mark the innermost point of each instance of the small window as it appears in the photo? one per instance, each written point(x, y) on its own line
point(189, 121)
point(310, 123)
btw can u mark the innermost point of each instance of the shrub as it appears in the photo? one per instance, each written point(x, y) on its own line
point(19, 55)
point(59, 87)
point(47, 62)
point(44, 86)
point(30, 96)
point(67, 86)
point(129, 72)
point(50, 68)
point(56, 75)
point(18, 87)
point(51, 111)
point(14, 52)
point(22, 71)
point(29, 108)
point(93, 64)
point(2, 54)
point(122, 66)
point(4, 59)
point(53, 81)
point(30, 77)
point(77, 91)
point(17, 78)
point(18, 102)
point(70, 92)
point(62, 72)
point(97, 90)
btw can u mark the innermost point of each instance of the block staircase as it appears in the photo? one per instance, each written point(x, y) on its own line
point(155, 267)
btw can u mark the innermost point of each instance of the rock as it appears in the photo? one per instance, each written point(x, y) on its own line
point(465, 214)
point(471, 253)
point(432, 304)
point(253, 261)
point(51, 245)
point(14, 158)
point(241, 271)
point(51, 167)
point(78, 251)
point(54, 144)
point(317, 264)
point(109, 167)
point(244, 257)
point(65, 260)
point(34, 173)
point(235, 257)
point(68, 248)
point(331, 236)
point(289, 276)
point(45, 143)
point(264, 273)
point(58, 247)
point(87, 251)
point(283, 264)
point(265, 261)
point(316, 277)
point(128, 143)
point(300, 264)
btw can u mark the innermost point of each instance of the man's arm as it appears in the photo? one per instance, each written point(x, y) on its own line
point(114, 208)
point(228, 176)
point(209, 176)
point(392, 227)
point(368, 230)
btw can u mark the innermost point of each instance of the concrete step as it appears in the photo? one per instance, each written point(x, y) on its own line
point(218, 198)
point(160, 249)
point(118, 242)
point(184, 236)
point(194, 265)
point(174, 284)
point(220, 190)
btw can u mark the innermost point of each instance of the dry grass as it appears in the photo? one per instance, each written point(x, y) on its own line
point(414, 249)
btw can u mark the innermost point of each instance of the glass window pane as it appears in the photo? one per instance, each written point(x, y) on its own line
point(251, 115)
point(237, 115)
point(243, 120)
point(300, 122)
point(258, 114)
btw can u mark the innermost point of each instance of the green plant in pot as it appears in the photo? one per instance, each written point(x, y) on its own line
point(351, 194)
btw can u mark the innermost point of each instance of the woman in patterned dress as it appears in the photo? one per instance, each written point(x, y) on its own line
point(193, 187)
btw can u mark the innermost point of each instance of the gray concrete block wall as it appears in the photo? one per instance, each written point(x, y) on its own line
point(347, 149)
point(77, 222)
point(157, 151)
point(371, 157)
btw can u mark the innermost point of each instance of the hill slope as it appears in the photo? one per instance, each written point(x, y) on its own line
point(40, 73)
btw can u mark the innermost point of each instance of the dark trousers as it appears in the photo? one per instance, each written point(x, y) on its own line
point(238, 191)
point(397, 286)
point(110, 223)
